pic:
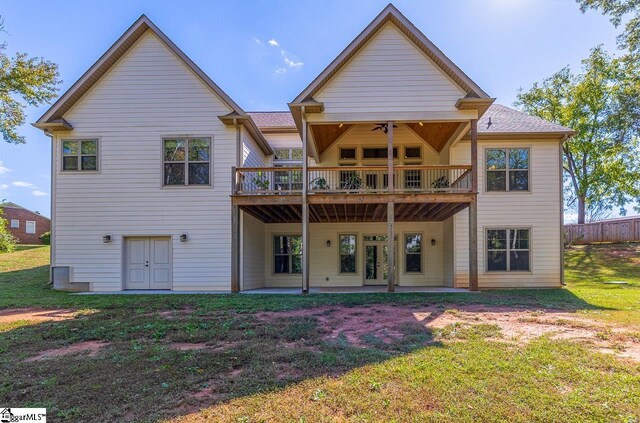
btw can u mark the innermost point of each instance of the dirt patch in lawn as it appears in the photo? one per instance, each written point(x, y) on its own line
point(36, 315)
point(90, 347)
point(194, 346)
point(388, 323)
point(188, 346)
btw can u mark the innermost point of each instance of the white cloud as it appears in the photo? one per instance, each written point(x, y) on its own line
point(291, 63)
point(4, 186)
point(3, 168)
point(23, 184)
point(39, 193)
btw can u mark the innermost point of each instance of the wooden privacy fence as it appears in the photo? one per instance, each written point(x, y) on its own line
point(618, 230)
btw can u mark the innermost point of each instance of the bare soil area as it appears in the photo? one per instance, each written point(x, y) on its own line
point(516, 324)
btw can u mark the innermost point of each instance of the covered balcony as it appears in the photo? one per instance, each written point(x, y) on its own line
point(354, 193)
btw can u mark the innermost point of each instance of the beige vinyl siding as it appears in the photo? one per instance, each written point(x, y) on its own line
point(253, 252)
point(448, 252)
point(252, 156)
point(390, 74)
point(324, 260)
point(538, 210)
point(148, 94)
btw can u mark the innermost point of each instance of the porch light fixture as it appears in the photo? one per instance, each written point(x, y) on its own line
point(328, 243)
point(433, 241)
point(421, 124)
point(341, 125)
point(184, 237)
point(106, 238)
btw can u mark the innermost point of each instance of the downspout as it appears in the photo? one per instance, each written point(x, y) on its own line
point(52, 239)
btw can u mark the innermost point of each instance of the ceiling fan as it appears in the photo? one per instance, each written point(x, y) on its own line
point(384, 127)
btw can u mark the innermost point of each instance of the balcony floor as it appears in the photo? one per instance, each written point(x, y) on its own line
point(354, 208)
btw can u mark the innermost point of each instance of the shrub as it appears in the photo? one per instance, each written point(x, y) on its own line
point(46, 238)
point(7, 240)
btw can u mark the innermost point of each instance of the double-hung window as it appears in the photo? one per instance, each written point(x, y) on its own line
point(187, 161)
point(413, 253)
point(15, 223)
point(507, 169)
point(287, 251)
point(79, 155)
point(347, 253)
point(30, 227)
point(508, 250)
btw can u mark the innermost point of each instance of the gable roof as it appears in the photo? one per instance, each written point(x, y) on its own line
point(504, 120)
point(390, 13)
point(10, 205)
point(53, 118)
point(117, 50)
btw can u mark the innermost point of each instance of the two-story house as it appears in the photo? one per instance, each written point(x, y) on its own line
point(391, 168)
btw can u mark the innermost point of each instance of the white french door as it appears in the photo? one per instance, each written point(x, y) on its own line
point(148, 263)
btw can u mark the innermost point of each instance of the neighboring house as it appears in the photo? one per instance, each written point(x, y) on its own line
point(415, 177)
point(24, 224)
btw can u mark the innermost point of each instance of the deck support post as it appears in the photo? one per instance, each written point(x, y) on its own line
point(235, 214)
point(473, 210)
point(391, 265)
point(305, 204)
point(235, 249)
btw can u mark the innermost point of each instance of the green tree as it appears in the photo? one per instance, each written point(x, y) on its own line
point(7, 240)
point(23, 80)
point(618, 10)
point(602, 105)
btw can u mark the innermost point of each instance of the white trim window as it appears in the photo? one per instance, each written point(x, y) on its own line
point(187, 161)
point(15, 223)
point(413, 253)
point(30, 227)
point(287, 254)
point(507, 169)
point(287, 180)
point(80, 155)
point(348, 247)
point(508, 250)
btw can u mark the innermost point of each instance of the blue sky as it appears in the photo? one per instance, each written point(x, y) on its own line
point(263, 53)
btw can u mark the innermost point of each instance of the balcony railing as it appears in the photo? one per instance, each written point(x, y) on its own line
point(353, 179)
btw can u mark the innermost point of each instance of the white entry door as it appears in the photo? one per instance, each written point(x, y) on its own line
point(148, 263)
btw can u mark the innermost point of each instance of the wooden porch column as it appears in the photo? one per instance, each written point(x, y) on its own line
point(235, 214)
point(235, 249)
point(390, 212)
point(305, 205)
point(473, 210)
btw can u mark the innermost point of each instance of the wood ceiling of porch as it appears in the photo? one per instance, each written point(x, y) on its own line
point(345, 213)
point(436, 134)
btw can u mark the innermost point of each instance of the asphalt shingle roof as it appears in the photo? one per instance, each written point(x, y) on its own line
point(507, 120)
point(503, 120)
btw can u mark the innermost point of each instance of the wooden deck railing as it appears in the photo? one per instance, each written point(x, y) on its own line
point(352, 179)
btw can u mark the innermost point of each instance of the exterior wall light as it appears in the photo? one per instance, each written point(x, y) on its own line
point(433, 241)
point(106, 238)
point(328, 243)
point(184, 238)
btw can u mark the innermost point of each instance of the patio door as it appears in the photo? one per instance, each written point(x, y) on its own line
point(376, 264)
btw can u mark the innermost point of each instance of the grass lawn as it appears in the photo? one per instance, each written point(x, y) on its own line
point(533, 355)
